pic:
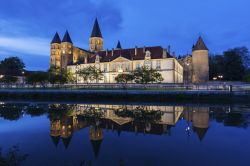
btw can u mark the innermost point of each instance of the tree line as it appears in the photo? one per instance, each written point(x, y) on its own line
point(141, 75)
point(12, 67)
point(232, 65)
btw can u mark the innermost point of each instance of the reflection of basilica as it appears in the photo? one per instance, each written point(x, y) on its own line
point(199, 116)
point(155, 120)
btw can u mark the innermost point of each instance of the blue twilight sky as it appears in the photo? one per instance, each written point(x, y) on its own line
point(27, 26)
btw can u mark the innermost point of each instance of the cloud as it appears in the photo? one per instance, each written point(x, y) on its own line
point(25, 45)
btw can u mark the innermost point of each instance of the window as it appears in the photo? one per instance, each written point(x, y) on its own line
point(158, 65)
point(105, 67)
point(114, 67)
point(147, 64)
point(127, 67)
point(138, 66)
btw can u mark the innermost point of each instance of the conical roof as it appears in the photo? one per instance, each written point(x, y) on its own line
point(96, 32)
point(119, 46)
point(55, 140)
point(201, 132)
point(56, 39)
point(67, 38)
point(66, 142)
point(200, 45)
point(96, 145)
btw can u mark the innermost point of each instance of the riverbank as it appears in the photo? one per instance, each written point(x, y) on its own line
point(126, 95)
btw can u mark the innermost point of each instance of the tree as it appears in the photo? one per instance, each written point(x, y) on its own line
point(243, 52)
point(12, 66)
point(95, 74)
point(233, 66)
point(124, 78)
point(85, 73)
point(60, 76)
point(37, 78)
point(8, 79)
point(144, 75)
point(216, 66)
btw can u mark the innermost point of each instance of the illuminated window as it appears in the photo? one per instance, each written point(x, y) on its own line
point(105, 67)
point(138, 66)
point(158, 65)
point(114, 67)
point(127, 67)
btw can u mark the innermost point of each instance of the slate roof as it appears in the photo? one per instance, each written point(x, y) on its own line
point(119, 46)
point(200, 45)
point(106, 56)
point(67, 38)
point(56, 39)
point(96, 32)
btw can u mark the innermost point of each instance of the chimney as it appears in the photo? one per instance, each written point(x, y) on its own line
point(169, 49)
point(164, 55)
point(173, 54)
point(144, 49)
point(136, 49)
point(85, 59)
point(107, 51)
point(112, 51)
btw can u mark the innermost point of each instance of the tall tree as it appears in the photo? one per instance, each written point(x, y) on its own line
point(124, 78)
point(96, 74)
point(144, 75)
point(85, 73)
point(12, 66)
point(234, 69)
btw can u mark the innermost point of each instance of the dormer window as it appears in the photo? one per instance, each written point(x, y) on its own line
point(97, 59)
point(148, 55)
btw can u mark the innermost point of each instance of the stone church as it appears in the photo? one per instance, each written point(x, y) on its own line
point(118, 60)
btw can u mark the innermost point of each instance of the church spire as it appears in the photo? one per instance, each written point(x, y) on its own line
point(119, 46)
point(200, 45)
point(56, 39)
point(96, 32)
point(67, 38)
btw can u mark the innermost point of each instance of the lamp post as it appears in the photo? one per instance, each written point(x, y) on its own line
point(76, 74)
point(23, 77)
point(187, 68)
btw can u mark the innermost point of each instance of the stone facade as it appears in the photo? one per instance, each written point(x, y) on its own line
point(196, 66)
point(192, 69)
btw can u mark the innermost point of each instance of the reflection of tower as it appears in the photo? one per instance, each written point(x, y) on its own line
point(62, 129)
point(55, 131)
point(200, 118)
point(96, 40)
point(96, 137)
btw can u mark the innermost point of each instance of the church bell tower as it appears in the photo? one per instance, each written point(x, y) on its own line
point(96, 40)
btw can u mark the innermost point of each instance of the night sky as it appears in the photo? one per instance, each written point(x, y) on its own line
point(28, 26)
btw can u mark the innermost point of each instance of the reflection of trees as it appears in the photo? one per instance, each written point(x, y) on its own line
point(231, 118)
point(37, 110)
point(11, 111)
point(60, 110)
point(12, 157)
point(140, 114)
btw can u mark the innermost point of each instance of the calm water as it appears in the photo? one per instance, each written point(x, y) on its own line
point(103, 134)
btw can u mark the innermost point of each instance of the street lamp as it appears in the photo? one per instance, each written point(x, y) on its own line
point(76, 74)
point(23, 77)
point(187, 68)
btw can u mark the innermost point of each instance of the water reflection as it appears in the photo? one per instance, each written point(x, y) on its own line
point(98, 119)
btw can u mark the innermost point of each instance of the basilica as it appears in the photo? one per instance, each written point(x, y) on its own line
point(115, 61)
